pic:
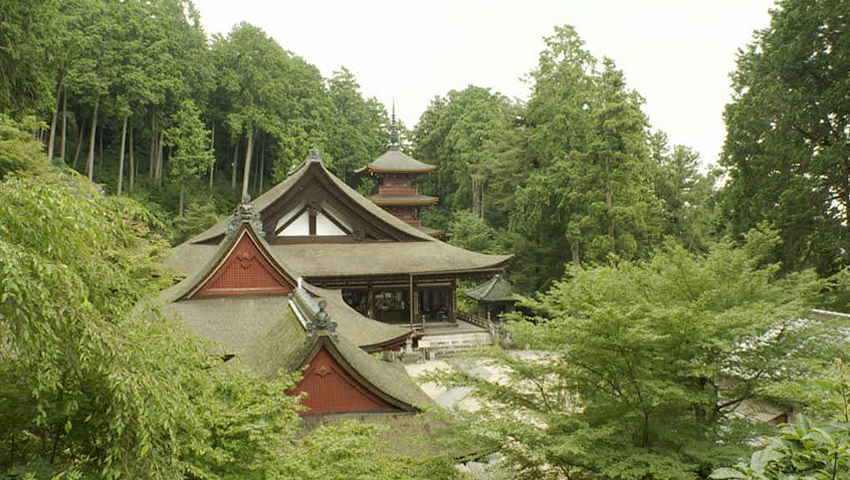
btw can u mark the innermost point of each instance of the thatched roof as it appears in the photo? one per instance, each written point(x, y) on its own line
point(389, 381)
point(497, 289)
point(406, 249)
point(357, 259)
point(300, 179)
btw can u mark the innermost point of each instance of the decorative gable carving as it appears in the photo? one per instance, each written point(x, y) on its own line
point(330, 388)
point(244, 270)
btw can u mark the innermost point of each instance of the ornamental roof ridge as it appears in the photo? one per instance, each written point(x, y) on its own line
point(244, 213)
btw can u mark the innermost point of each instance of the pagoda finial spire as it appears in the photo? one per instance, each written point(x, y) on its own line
point(393, 131)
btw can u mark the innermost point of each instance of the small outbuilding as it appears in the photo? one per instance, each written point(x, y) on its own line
point(495, 297)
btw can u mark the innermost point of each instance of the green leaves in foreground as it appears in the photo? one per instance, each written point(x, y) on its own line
point(815, 445)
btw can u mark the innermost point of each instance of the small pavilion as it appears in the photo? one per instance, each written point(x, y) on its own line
point(495, 297)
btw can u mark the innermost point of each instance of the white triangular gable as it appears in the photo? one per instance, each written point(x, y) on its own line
point(300, 226)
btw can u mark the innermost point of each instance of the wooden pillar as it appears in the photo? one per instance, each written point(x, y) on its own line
point(411, 303)
point(370, 302)
point(453, 301)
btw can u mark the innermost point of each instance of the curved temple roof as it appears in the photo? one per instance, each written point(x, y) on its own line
point(398, 248)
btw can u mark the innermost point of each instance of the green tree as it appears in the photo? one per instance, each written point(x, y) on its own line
point(591, 197)
point(471, 232)
point(193, 157)
point(642, 364)
point(359, 129)
point(458, 133)
point(687, 194)
point(28, 37)
point(787, 148)
point(262, 87)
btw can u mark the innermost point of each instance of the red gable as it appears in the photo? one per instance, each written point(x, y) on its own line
point(330, 388)
point(244, 270)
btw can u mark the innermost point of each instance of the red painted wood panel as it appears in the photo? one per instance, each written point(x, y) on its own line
point(330, 388)
point(245, 271)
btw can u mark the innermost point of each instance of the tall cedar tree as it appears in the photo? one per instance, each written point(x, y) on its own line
point(787, 148)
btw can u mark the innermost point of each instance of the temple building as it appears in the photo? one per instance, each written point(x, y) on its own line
point(396, 191)
point(256, 309)
point(385, 268)
point(313, 274)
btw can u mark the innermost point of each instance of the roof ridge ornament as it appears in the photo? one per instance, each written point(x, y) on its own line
point(314, 155)
point(312, 313)
point(244, 213)
point(321, 322)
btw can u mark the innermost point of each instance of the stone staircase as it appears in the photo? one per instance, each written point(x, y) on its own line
point(452, 339)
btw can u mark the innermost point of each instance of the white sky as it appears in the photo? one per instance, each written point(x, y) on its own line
point(676, 53)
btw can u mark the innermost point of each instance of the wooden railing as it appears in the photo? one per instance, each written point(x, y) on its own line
point(495, 329)
point(473, 319)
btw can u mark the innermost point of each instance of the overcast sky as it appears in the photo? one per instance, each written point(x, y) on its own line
point(676, 53)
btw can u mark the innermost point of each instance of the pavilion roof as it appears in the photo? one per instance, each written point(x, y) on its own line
point(497, 289)
point(358, 258)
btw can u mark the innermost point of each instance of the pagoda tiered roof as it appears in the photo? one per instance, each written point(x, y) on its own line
point(396, 161)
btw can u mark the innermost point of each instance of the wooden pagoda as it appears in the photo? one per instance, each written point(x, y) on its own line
point(396, 191)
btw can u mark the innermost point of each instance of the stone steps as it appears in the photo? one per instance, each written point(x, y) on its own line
point(449, 344)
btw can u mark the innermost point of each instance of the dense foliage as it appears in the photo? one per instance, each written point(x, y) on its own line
point(643, 364)
point(788, 134)
point(815, 445)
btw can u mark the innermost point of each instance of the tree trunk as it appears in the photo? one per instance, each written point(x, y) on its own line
point(182, 196)
point(81, 127)
point(159, 154)
point(254, 181)
point(152, 153)
point(233, 165)
point(132, 160)
point(609, 205)
point(52, 139)
point(64, 124)
point(212, 147)
point(575, 246)
point(92, 134)
point(262, 165)
point(121, 156)
point(246, 173)
point(100, 148)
